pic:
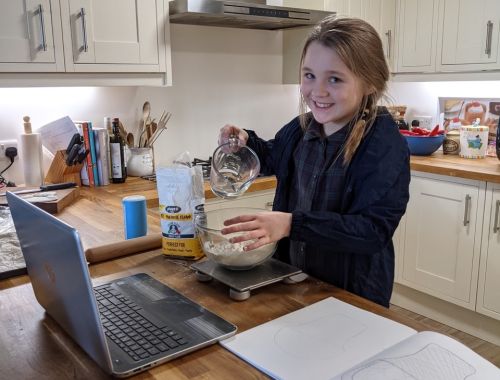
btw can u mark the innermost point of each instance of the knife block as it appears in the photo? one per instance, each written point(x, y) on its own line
point(60, 172)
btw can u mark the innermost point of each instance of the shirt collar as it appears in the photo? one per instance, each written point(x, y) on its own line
point(315, 131)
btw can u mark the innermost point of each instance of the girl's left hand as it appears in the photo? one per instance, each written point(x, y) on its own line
point(264, 227)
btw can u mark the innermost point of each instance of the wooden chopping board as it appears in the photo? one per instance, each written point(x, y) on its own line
point(64, 198)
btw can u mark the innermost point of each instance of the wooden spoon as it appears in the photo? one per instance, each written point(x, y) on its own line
point(130, 140)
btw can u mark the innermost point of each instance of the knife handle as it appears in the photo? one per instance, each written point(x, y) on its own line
point(57, 186)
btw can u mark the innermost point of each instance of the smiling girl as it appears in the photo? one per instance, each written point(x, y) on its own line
point(342, 167)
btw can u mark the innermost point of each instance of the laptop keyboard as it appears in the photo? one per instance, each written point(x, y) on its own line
point(131, 331)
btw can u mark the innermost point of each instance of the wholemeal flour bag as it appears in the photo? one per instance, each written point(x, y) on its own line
point(181, 196)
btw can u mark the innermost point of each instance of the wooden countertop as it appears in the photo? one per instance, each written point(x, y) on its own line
point(487, 169)
point(38, 348)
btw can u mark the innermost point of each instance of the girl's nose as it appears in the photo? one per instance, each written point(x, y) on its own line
point(320, 89)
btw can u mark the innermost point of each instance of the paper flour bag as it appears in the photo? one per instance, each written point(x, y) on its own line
point(181, 196)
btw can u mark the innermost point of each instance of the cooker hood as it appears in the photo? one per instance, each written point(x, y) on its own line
point(241, 14)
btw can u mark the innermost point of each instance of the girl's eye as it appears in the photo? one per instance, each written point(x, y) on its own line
point(308, 76)
point(333, 79)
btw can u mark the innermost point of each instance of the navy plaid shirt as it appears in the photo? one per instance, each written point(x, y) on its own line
point(318, 179)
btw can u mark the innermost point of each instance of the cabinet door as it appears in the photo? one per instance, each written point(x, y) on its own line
point(27, 40)
point(417, 30)
point(441, 250)
point(488, 301)
point(117, 32)
point(470, 32)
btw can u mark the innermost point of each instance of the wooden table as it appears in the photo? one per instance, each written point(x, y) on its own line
point(32, 346)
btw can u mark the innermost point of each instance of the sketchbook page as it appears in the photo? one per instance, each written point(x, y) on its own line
point(319, 341)
point(425, 356)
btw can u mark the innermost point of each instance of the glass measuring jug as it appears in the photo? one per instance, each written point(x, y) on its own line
point(234, 168)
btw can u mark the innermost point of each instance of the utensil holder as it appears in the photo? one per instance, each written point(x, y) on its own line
point(60, 172)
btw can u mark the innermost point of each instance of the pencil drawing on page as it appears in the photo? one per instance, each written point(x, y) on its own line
point(430, 362)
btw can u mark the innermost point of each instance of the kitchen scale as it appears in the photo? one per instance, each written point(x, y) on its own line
point(242, 282)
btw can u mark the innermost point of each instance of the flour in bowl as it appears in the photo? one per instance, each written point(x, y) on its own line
point(233, 255)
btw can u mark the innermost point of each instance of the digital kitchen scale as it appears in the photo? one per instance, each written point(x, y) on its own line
point(241, 282)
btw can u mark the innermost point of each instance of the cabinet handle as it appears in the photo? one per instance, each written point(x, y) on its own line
point(489, 35)
point(269, 204)
point(85, 46)
point(496, 225)
point(389, 42)
point(467, 210)
point(39, 11)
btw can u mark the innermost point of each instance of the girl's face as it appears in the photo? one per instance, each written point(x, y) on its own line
point(330, 89)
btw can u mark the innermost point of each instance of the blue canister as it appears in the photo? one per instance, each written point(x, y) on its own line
point(134, 216)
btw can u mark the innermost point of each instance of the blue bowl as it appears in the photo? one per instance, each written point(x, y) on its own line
point(423, 145)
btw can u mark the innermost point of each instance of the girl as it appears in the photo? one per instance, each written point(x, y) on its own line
point(342, 169)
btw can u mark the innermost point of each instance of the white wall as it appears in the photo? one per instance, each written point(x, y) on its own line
point(221, 75)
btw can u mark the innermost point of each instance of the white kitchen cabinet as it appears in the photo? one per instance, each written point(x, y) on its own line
point(488, 301)
point(258, 199)
point(113, 35)
point(470, 35)
point(30, 36)
point(441, 247)
point(417, 35)
point(115, 42)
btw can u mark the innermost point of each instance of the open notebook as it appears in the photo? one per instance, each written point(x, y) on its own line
point(334, 340)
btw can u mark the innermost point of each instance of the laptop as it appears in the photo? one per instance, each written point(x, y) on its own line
point(127, 325)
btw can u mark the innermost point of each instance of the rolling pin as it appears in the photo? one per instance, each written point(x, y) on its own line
point(123, 248)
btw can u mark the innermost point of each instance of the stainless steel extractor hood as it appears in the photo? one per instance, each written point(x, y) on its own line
point(241, 14)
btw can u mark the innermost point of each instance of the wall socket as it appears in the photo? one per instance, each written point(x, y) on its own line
point(425, 121)
point(7, 144)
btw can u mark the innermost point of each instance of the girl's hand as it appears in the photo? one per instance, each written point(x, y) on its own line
point(264, 227)
point(230, 130)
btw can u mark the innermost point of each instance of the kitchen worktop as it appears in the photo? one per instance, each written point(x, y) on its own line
point(39, 349)
point(486, 169)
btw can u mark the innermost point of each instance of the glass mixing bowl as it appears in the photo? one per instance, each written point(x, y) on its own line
point(217, 246)
point(234, 168)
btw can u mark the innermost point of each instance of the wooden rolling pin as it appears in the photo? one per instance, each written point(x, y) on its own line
point(123, 248)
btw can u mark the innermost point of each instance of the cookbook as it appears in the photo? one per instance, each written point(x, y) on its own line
point(334, 340)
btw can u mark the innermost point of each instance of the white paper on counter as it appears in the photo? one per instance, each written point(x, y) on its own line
point(320, 341)
point(57, 134)
point(424, 356)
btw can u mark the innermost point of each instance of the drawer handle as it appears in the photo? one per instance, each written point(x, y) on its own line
point(389, 43)
point(489, 34)
point(85, 46)
point(39, 11)
point(467, 210)
point(496, 225)
point(269, 204)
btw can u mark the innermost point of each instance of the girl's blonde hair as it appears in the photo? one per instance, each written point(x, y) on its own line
point(360, 48)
